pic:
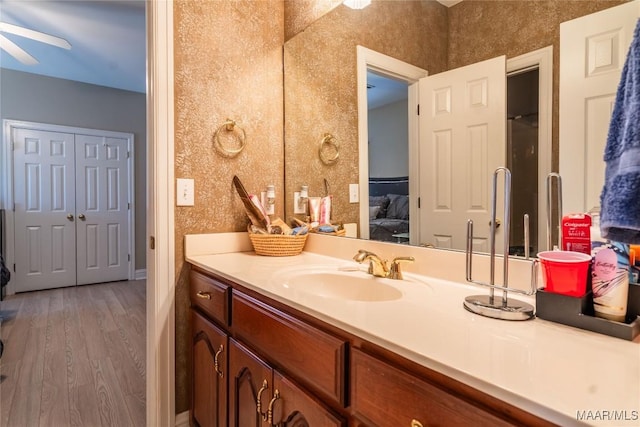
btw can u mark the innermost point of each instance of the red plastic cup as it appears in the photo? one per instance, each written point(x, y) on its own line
point(565, 272)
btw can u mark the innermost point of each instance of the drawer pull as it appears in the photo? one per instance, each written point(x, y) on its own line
point(203, 295)
point(416, 423)
point(265, 386)
point(216, 364)
point(269, 419)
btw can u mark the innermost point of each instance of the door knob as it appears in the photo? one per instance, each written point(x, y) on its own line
point(81, 217)
point(70, 217)
point(498, 223)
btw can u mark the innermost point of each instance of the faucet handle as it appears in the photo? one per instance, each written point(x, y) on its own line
point(394, 272)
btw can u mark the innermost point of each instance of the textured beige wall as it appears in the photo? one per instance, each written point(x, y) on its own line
point(523, 26)
point(320, 86)
point(299, 14)
point(228, 63)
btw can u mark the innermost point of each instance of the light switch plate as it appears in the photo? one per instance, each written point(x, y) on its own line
point(297, 209)
point(354, 193)
point(184, 192)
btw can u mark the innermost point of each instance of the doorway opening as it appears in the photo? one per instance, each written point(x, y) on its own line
point(388, 177)
point(522, 156)
point(368, 62)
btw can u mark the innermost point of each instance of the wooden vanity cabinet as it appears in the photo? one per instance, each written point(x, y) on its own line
point(209, 373)
point(325, 377)
point(261, 396)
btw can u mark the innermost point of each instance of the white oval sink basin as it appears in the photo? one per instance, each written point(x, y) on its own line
point(354, 286)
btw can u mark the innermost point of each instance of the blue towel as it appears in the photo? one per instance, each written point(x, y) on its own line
point(620, 198)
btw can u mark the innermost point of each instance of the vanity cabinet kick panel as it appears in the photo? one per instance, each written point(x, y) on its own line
point(385, 396)
point(209, 373)
point(282, 403)
point(211, 296)
point(312, 356)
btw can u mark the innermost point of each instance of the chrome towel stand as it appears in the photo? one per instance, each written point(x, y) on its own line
point(488, 305)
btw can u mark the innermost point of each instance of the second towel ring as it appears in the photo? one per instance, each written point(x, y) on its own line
point(229, 127)
point(328, 150)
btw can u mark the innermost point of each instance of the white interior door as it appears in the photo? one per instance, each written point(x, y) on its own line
point(102, 209)
point(72, 221)
point(593, 50)
point(45, 244)
point(462, 142)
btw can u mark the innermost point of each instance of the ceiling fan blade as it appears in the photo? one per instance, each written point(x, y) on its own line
point(16, 51)
point(35, 35)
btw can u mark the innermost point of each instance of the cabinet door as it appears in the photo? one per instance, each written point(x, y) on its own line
point(250, 387)
point(209, 373)
point(296, 408)
point(385, 396)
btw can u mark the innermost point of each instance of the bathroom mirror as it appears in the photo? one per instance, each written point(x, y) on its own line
point(321, 88)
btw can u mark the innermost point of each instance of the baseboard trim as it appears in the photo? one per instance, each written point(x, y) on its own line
point(182, 419)
point(141, 274)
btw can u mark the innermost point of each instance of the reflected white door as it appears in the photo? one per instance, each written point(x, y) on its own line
point(45, 244)
point(462, 142)
point(102, 208)
point(593, 50)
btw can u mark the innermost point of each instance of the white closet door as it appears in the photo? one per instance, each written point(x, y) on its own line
point(593, 50)
point(102, 208)
point(45, 244)
point(462, 142)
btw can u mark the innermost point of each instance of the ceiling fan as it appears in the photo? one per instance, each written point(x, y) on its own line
point(20, 54)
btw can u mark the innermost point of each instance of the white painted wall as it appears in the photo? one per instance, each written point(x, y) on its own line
point(34, 98)
point(388, 141)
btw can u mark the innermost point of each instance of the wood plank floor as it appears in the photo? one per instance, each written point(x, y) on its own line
point(74, 356)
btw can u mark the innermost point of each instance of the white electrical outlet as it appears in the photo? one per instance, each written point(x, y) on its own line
point(184, 192)
point(354, 193)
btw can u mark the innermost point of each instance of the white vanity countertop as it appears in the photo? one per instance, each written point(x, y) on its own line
point(553, 371)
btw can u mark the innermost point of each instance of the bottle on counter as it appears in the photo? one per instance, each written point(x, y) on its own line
point(610, 281)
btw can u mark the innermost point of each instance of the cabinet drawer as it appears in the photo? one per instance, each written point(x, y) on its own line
point(211, 296)
point(313, 357)
point(384, 396)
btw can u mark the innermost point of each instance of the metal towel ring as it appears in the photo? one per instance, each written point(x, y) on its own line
point(328, 150)
point(229, 126)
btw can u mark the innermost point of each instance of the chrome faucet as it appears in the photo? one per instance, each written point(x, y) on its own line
point(382, 268)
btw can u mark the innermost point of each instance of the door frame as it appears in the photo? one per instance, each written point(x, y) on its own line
point(161, 260)
point(8, 181)
point(399, 70)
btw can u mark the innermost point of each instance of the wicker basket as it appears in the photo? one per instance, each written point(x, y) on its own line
point(277, 244)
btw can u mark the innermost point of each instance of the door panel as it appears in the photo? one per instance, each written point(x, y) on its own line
point(209, 373)
point(101, 199)
point(592, 53)
point(295, 408)
point(44, 237)
point(462, 143)
point(247, 376)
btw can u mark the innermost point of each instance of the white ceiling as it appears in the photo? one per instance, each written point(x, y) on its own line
point(108, 40)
